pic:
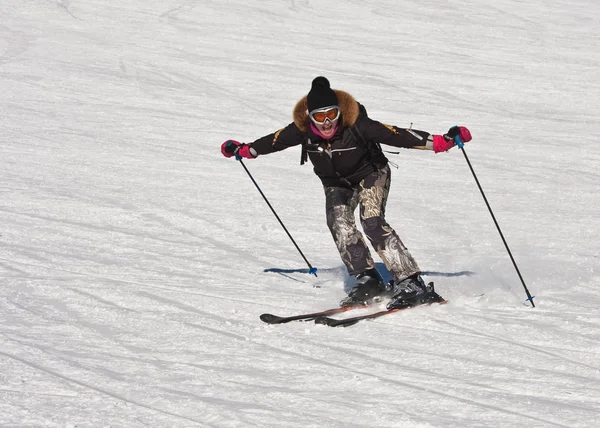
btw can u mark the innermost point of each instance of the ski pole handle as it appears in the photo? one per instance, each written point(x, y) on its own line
point(459, 142)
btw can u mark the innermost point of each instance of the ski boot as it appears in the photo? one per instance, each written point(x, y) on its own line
point(369, 288)
point(413, 292)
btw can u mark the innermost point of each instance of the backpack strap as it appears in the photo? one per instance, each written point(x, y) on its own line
point(373, 148)
point(304, 153)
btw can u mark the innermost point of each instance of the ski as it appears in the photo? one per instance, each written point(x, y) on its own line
point(275, 319)
point(347, 322)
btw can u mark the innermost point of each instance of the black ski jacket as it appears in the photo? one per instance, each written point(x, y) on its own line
point(353, 152)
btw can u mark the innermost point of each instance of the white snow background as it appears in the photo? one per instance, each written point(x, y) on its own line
point(135, 259)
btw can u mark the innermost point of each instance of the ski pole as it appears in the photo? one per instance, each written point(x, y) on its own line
point(311, 270)
point(461, 145)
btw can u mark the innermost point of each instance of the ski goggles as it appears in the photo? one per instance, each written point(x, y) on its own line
point(320, 115)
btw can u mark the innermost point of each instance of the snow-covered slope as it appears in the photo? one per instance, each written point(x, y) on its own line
point(135, 259)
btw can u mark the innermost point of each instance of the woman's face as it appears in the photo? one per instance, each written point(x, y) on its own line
point(327, 128)
point(326, 119)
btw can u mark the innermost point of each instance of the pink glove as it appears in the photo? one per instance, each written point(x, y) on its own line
point(442, 143)
point(232, 147)
point(229, 147)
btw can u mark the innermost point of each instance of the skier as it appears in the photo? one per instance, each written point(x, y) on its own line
point(343, 144)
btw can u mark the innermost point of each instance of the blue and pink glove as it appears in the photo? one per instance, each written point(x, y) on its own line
point(442, 143)
point(231, 147)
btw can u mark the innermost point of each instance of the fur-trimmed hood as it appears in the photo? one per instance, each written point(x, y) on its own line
point(348, 107)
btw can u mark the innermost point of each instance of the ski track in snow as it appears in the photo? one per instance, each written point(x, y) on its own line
point(135, 260)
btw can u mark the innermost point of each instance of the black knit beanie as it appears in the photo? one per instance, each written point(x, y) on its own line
point(321, 95)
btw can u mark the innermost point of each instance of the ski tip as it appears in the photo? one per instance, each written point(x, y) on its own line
point(270, 318)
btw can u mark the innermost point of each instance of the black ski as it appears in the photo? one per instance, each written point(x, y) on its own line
point(275, 319)
point(347, 322)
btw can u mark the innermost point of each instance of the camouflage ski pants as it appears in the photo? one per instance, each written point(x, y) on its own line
point(371, 194)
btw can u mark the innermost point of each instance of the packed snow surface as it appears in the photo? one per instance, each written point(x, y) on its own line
point(135, 259)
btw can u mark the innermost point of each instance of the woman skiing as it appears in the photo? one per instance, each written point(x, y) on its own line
point(344, 146)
